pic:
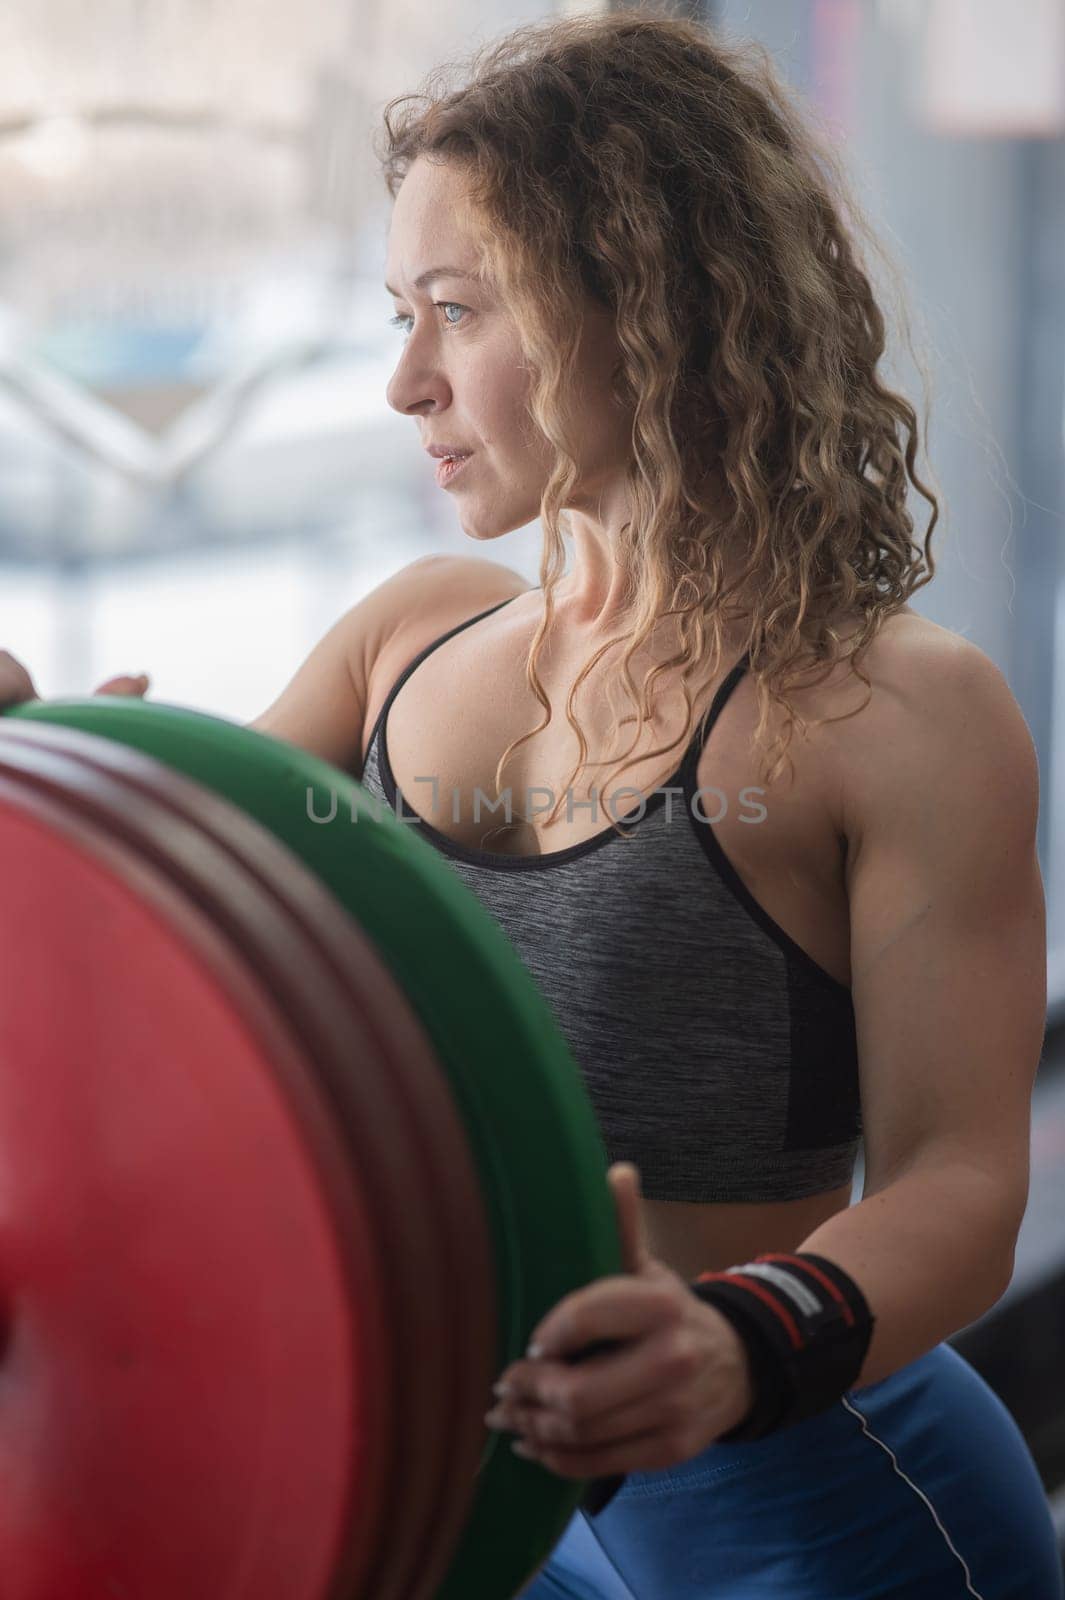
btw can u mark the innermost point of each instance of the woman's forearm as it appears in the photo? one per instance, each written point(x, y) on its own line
point(931, 1252)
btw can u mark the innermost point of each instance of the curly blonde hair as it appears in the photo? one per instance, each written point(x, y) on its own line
point(675, 178)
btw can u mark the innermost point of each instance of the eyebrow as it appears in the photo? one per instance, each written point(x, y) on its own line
point(433, 272)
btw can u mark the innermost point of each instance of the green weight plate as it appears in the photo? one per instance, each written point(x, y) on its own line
point(532, 1130)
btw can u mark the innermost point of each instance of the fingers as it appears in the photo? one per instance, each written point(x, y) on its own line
point(550, 1428)
point(640, 1371)
point(126, 684)
point(610, 1308)
point(16, 684)
point(635, 1243)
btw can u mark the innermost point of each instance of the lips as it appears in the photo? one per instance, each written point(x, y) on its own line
point(449, 466)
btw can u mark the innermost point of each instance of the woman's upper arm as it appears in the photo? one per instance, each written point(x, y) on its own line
point(948, 923)
point(323, 708)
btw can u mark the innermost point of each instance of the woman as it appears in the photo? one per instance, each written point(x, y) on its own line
point(664, 345)
point(662, 342)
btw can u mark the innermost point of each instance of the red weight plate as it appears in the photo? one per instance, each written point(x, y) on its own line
point(448, 1431)
point(402, 1222)
point(412, 1563)
point(196, 1366)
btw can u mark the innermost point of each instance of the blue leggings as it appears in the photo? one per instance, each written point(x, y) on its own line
point(920, 1487)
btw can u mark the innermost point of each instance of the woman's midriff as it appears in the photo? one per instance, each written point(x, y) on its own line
point(693, 1238)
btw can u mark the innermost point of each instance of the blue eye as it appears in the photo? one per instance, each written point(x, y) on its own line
point(398, 321)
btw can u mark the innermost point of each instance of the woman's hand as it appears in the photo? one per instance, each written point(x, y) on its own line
point(678, 1380)
point(137, 686)
point(16, 684)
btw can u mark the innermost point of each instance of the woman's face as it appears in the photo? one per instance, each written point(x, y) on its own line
point(460, 375)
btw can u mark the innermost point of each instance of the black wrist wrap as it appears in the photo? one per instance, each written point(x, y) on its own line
point(807, 1329)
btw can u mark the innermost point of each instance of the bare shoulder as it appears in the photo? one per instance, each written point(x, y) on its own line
point(474, 578)
point(928, 683)
point(937, 724)
point(444, 590)
point(324, 707)
point(436, 594)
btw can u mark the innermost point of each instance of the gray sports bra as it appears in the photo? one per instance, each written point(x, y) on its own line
point(718, 1056)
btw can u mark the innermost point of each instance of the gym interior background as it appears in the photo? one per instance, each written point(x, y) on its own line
point(198, 467)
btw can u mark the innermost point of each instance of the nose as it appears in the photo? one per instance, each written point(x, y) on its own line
point(412, 387)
